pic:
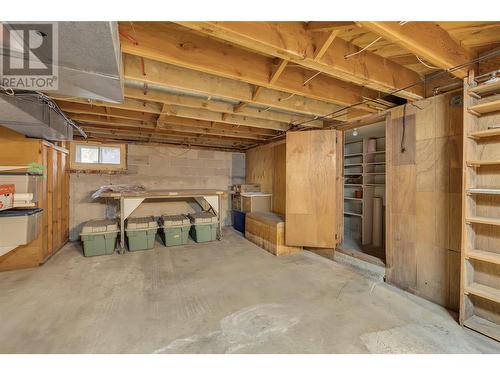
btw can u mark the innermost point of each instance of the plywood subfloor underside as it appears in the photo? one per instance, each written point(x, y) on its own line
point(220, 297)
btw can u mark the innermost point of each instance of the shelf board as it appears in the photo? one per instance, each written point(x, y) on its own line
point(353, 165)
point(479, 163)
point(353, 155)
point(483, 191)
point(374, 173)
point(486, 88)
point(353, 174)
point(485, 108)
point(353, 185)
point(482, 220)
point(485, 133)
point(375, 152)
point(353, 199)
point(376, 163)
point(374, 184)
point(483, 326)
point(483, 291)
point(482, 255)
point(353, 214)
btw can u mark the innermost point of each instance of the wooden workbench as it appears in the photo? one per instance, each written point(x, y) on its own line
point(129, 201)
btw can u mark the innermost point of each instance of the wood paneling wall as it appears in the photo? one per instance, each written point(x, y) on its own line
point(15, 149)
point(423, 253)
point(266, 165)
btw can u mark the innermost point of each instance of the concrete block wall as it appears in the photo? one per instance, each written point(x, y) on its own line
point(157, 167)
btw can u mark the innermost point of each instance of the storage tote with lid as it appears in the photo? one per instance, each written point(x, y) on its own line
point(175, 229)
point(204, 226)
point(19, 227)
point(99, 237)
point(141, 233)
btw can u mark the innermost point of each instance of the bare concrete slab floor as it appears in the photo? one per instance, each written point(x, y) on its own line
point(220, 297)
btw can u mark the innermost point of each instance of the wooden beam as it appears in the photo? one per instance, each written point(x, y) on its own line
point(176, 144)
point(174, 137)
point(216, 106)
point(426, 40)
point(177, 121)
point(294, 42)
point(78, 108)
point(169, 132)
point(281, 67)
point(323, 47)
point(175, 45)
point(329, 25)
point(203, 114)
point(128, 104)
point(170, 76)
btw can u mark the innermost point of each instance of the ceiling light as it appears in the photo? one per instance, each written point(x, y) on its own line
point(355, 132)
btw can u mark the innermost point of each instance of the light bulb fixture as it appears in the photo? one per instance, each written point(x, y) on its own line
point(355, 132)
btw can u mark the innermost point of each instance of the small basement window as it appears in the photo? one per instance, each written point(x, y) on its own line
point(92, 156)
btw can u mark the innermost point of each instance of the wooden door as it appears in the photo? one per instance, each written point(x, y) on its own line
point(312, 186)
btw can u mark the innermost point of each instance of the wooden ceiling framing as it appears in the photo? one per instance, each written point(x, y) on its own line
point(234, 85)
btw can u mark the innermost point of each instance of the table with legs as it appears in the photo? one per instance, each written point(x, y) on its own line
point(129, 201)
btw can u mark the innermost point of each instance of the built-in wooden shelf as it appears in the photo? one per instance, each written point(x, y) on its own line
point(483, 191)
point(375, 152)
point(374, 184)
point(482, 255)
point(483, 326)
point(374, 173)
point(353, 165)
point(482, 220)
point(486, 88)
point(485, 133)
point(354, 199)
point(485, 108)
point(483, 291)
point(352, 214)
point(353, 155)
point(479, 163)
point(353, 174)
point(376, 163)
point(350, 185)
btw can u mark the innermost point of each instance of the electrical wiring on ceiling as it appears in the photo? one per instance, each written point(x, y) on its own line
point(423, 63)
point(426, 79)
point(362, 49)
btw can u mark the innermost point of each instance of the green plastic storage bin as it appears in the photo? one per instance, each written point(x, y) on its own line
point(99, 237)
point(141, 233)
point(204, 226)
point(175, 229)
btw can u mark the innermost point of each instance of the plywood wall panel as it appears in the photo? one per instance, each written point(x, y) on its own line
point(425, 209)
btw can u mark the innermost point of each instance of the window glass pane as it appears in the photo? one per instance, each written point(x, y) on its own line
point(87, 154)
point(110, 155)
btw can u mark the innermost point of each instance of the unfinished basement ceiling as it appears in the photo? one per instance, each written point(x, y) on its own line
point(241, 84)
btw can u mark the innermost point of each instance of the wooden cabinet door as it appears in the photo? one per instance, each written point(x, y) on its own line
point(312, 186)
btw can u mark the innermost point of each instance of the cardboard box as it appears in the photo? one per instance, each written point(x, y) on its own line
point(7, 196)
point(256, 202)
point(246, 188)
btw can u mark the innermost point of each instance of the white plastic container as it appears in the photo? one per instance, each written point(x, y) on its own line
point(19, 227)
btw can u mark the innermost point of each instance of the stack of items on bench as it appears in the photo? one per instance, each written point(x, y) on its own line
point(253, 216)
point(99, 237)
point(20, 222)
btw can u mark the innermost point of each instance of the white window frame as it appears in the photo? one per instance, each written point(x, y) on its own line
point(98, 166)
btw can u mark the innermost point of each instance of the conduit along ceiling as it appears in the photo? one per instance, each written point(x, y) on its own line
point(235, 85)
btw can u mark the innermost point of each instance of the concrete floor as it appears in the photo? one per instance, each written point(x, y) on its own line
point(220, 297)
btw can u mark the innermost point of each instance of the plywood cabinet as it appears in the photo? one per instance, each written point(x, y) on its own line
point(17, 150)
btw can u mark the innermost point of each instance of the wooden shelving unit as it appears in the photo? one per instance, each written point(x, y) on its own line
point(480, 253)
point(364, 159)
